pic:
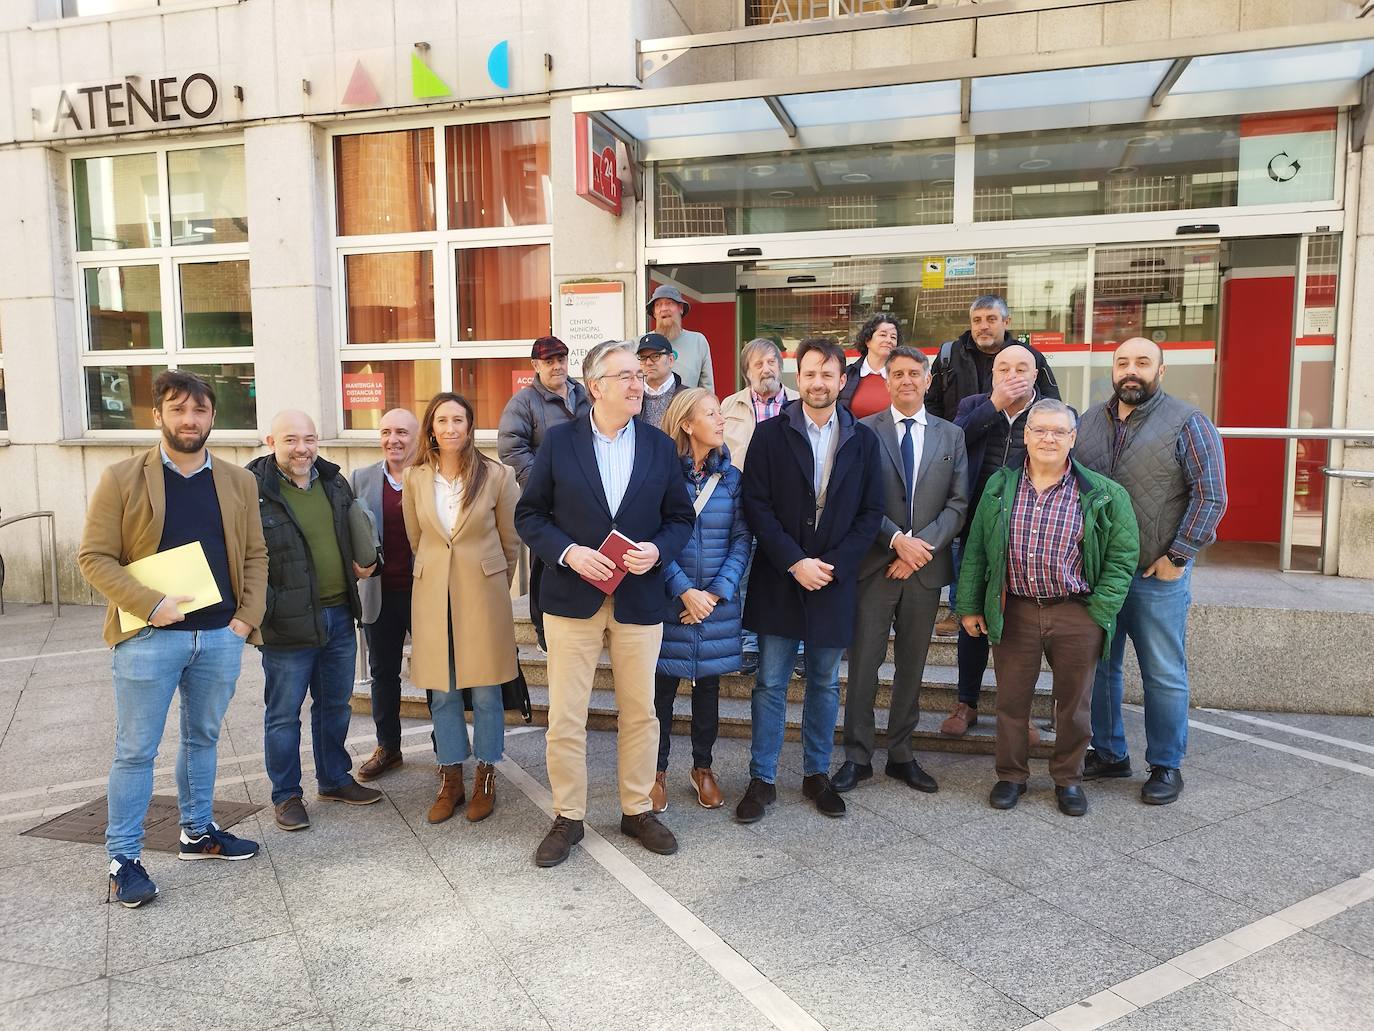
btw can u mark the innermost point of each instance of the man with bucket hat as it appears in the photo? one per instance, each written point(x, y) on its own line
point(692, 363)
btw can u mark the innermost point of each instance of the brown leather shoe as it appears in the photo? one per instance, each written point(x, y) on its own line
point(450, 793)
point(558, 843)
point(658, 794)
point(957, 722)
point(383, 759)
point(708, 791)
point(947, 627)
point(483, 793)
point(651, 834)
point(1032, 735)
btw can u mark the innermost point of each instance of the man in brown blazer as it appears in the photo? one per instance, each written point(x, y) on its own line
point(173, 495)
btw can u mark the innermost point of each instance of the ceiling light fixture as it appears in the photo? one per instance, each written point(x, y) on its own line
point(856, 177)
point(781, 194)
point(1034, 164)
point(762, 170)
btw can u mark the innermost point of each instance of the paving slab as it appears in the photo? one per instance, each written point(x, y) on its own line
point(85, 1005)
point(1353, 929)
point(24, 980)
point(1306, 983)
point(1198, 1008)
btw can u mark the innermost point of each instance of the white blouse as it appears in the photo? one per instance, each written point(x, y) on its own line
point(447, 501)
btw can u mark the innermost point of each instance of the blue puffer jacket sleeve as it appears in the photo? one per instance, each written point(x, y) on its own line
point(713, 560)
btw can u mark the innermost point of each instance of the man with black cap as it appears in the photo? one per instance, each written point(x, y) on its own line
point(553, 398)
point(661, 383)
point(690, 350)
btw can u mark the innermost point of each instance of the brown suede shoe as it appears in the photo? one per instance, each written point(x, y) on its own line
point(658, 794)
point(957, 722)
point(483, 793)
point(947, 627)
point(450, 793)
point(558, 843)
point(651, 834)
point(383, 759)
point(708, 791)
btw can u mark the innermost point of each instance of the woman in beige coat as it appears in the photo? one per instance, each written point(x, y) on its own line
point(459, 510)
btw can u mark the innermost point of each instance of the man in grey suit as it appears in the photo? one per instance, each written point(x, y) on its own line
point(385, 598)
point(925, 483)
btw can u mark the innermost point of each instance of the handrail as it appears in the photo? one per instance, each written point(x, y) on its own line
point(1359, 437)
point(1361, 477)
point(52, 548)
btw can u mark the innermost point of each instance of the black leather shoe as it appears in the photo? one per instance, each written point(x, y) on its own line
point(1006, 794)
point(758, 796)
point(559, 842)
point(799, 668)
point(1072, 801)
point(818, 788)
point(1097, 768)
point(749, 664)
point(911, 774)
point(849, 774)
point(1163, 787)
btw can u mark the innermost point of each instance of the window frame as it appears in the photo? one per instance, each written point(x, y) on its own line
point(443, 243)
point(168, 258)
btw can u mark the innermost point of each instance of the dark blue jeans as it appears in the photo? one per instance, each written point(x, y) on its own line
point(386, 640)
point(326, 674)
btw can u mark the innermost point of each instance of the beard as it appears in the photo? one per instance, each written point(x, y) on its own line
point(179, 444)
point(819, 399)
point(767, 385)
point(1134, 390)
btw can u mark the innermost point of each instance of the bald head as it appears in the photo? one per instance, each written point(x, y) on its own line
point(1016, 356)
point(1137, 372)
point(1013, 377)
point(295, 442)
point(400, 432)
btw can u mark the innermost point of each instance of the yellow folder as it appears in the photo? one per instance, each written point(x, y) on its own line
point(180, 571)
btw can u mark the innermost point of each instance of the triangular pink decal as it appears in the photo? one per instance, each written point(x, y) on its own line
point(361, 91)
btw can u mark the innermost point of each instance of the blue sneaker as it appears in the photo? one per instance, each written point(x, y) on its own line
point(129, 883)
point(216, 844)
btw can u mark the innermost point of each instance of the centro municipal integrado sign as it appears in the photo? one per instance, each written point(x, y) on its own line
point(129, 104)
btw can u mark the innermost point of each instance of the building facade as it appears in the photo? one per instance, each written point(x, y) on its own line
point(348, 205)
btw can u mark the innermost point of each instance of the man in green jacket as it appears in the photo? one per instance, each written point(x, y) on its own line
point(1046, 568)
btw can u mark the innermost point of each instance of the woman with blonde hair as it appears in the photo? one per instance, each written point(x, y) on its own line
point(459, 508)
point(701, 619)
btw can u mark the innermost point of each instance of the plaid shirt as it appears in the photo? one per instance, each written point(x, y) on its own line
point(1045, 552)
point(1199, 452)
point(766, 408)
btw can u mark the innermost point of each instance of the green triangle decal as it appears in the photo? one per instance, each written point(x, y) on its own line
point(423, 82)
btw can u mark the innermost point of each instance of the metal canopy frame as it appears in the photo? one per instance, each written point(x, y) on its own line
point(1180, 53)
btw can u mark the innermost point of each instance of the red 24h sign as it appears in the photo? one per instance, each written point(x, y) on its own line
point(597, 176)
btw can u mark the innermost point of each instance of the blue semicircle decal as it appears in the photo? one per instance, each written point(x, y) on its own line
point(498, 65)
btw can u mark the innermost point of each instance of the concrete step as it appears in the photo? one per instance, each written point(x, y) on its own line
point(735, 720)
point(939, 686)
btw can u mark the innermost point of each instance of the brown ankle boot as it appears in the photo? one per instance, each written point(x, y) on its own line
point(483, 793)
point(450, 793)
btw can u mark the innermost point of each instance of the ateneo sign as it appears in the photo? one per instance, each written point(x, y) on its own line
point(131, 103)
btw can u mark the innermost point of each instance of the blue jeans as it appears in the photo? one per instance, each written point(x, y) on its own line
point(326, 673)
point(149, 669)
point(451, 731)
point(819, 709)
point(1155, 618)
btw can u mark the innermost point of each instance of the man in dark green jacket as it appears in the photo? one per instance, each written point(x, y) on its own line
point(1048, 562)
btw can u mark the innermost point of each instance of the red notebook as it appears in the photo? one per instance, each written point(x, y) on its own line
point(614, 547)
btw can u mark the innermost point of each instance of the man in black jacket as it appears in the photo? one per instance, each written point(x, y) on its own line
point(963, 368)
point(308, 641)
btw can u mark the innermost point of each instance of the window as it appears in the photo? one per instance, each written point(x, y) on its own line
point(162, 273)
point(444, 244)
point(1241, 160)
point(898, 184)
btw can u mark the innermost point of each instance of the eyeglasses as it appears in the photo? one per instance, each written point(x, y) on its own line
point(626, 378)
point(1044, 434)
point(645, 359)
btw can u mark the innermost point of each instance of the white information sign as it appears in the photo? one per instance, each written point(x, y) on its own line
point(589, 313)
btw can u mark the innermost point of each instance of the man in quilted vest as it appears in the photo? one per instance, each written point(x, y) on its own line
point(1168, 456)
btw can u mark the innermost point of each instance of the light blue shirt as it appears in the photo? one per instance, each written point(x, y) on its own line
point(615, 460)
point(820, 437)
point(173, 466)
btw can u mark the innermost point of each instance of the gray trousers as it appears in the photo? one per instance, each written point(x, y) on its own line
point(883, 604)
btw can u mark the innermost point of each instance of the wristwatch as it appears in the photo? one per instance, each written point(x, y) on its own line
point(1178, 560)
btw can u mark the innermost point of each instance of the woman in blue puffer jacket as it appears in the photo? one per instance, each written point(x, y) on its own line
point(701, 616)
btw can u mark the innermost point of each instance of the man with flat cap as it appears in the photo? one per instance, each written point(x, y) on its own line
point(551, 400)
point(692, 354)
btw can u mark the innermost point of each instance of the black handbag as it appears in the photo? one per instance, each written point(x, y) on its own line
point(515, 695)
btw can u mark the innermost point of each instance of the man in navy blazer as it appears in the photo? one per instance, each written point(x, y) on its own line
point(813, 496)
point(605, 470)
